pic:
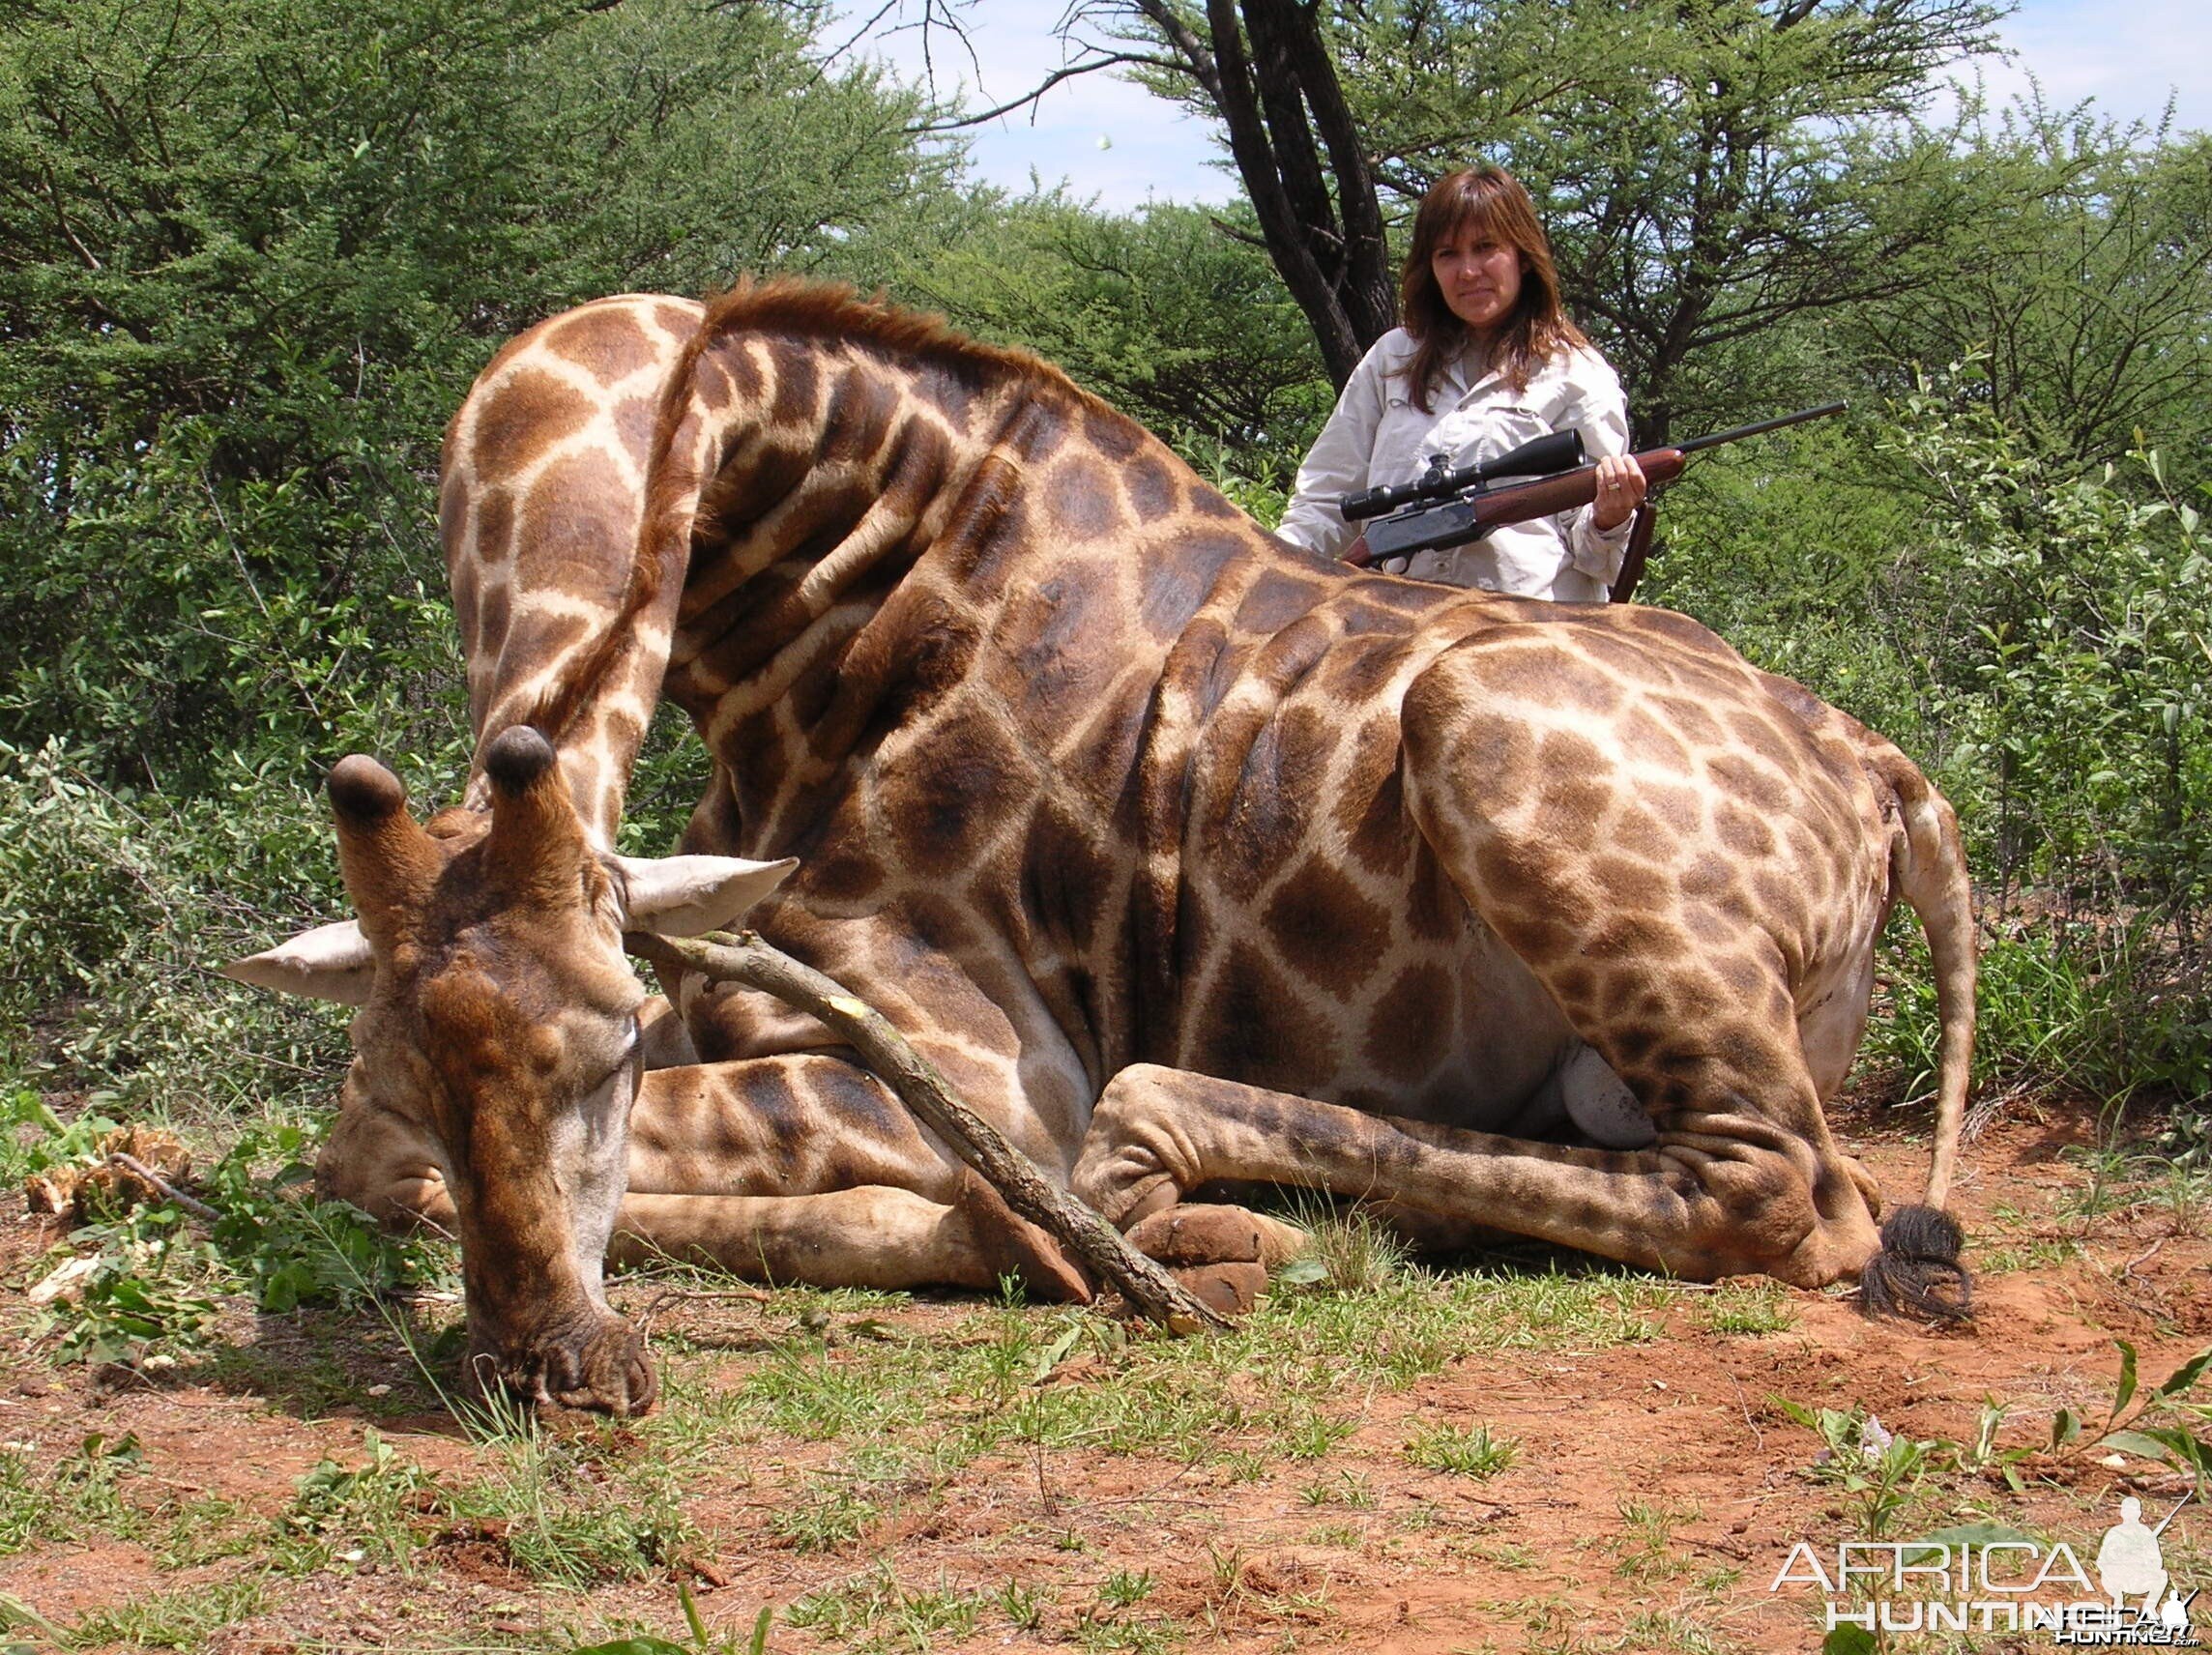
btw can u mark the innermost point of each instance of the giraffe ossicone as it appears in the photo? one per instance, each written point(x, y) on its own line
point(1187, 859)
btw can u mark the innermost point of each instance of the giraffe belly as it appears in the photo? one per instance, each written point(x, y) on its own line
point(1460, 1034)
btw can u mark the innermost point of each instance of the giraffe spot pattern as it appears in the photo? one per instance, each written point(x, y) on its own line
point(610, 347)
point(1277, 598)
point(1251, 1022)
point(525, 418)
point(567, 527)
point(1324, 928)
point(1154, 785)
point(941, 818)
point(1151, 488)
point(1081, 494)
point(1409, 1038)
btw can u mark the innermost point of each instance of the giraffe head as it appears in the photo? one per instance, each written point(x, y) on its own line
point(498, 1009)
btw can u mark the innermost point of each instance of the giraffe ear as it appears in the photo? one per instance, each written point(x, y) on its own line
point(331, 962)
point(682, 896)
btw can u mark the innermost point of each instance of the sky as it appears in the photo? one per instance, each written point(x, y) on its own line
point(1111, 142)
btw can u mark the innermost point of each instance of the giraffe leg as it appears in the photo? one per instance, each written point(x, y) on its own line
point(1673, 872)
point(870, 1236)
point(1697, 1210)
point(804, 1168)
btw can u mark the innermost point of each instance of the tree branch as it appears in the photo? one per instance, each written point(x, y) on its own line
point(745, 958)
point(1069, 72)
point(1198, 61)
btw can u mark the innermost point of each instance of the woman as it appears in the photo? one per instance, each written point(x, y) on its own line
point(1486, 361)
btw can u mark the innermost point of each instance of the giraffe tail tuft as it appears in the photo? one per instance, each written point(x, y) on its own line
point(1917, 1273)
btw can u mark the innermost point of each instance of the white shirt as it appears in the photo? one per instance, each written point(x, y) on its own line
point(1377, 435)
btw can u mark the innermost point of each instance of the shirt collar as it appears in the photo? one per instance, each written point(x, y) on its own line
point(1469, 372)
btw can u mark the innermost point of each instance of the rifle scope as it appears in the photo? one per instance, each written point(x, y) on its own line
point(1562, 450)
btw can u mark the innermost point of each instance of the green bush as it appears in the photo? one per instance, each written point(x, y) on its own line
point(2068, 619)
point(251, 252)
point(2092, 1010)
point(115, 908)
point(2038, 639)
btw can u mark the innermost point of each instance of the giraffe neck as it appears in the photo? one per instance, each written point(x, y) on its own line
point(955, 632)
point(539, 511)
point(842, 497)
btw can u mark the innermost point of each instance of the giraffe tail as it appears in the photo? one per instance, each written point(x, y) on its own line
point(1917, 1271)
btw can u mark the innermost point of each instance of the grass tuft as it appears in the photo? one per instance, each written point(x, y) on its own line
point(1464, 1450)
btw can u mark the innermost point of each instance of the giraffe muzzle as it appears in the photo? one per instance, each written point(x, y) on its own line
point(605, 1370)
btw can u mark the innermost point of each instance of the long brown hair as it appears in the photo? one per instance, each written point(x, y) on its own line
point(1489, 202)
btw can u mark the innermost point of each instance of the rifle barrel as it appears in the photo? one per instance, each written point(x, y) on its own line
point(1742, 431)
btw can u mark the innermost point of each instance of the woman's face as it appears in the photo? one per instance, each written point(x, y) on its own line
point(1479, 276)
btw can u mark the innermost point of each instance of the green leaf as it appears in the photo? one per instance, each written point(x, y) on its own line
point(2136, 1442)
point(1302, 1272)
point(2127, 1387)
point(2187, 1375)
point(1057, 1353)
point(633, 1646)
point(2177, 1445)
point(2065, 1427)
point(1849, 1641)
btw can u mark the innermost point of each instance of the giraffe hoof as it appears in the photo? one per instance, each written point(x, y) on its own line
point(1233, 1289)
point(1199, 1235)
point(1013, 1246)
point(1206, 1233)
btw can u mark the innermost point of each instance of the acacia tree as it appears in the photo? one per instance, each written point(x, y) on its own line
point(1266, 71)
point(2082, 326)
point(251, 252)
point(1708, 167)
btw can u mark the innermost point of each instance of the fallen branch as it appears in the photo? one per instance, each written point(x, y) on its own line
point(162, 1187)
point(745, 959)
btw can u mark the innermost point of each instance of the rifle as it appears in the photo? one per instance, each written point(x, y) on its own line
point(1451, 507)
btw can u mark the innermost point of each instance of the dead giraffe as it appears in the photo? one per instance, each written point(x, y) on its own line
point(1186, 857)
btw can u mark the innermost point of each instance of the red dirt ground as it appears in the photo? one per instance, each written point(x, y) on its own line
point(1657, 1491)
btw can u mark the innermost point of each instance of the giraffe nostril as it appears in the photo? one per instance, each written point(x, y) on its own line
point(641, 1383)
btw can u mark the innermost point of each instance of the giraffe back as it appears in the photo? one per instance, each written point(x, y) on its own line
point(1019, 688)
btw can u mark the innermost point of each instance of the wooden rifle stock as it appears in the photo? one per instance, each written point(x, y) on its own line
point(1545, 497)
point(1455, 520)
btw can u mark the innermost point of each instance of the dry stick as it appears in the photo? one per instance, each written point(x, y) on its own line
point(745, 959)
point(162, 1187)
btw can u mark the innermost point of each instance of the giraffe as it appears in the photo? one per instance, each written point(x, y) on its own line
point(1188, 859)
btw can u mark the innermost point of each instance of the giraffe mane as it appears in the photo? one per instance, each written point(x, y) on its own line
point(823, 309)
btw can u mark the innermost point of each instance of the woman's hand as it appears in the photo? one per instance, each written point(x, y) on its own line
point(1620, 489)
